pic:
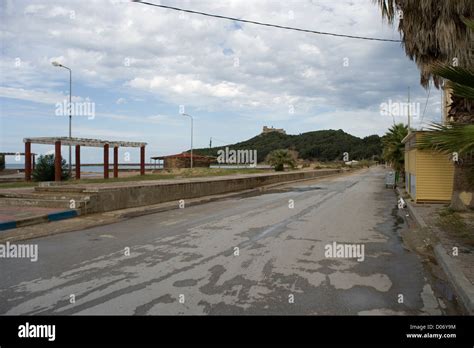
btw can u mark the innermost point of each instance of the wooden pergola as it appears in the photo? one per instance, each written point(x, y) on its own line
point(78, 142)
point(33, 155)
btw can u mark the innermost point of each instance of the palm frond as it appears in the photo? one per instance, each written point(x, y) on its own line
point(387, 7)
point(468, 21)
point(448, 138)
point(456, 74)
point(461, 90)
point(461, 80)
point(433, 31)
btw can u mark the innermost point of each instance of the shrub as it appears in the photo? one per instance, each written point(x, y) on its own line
point(44, 169)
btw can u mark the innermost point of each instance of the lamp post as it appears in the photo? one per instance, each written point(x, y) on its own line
point(191, 137)
point(59, 65)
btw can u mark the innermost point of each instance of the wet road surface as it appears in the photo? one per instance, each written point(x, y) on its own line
point(262, 254)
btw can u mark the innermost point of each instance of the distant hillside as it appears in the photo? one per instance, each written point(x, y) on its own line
point(323, 145)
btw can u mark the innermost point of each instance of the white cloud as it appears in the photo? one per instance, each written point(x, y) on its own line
point(44, 97)
point(185, 57)
point(132, 52)
point(106, 134)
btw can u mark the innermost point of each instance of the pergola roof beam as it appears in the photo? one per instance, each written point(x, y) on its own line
point(82, 142)
point(14, 153)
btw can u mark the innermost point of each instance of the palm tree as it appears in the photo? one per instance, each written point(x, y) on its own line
point(432, 31)
point(393, 149)
point(278, 159)
point(437, 36)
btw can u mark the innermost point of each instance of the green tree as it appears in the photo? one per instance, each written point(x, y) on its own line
point(393, 149)
point(279, 158)
point(44, 169)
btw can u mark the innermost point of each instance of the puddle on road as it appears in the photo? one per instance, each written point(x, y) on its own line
point(443, 288)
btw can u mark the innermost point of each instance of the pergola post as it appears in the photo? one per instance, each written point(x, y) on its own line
point(34, 161)
point(142, 160)
point(115, 161)
point(78, 162)
point(106, 161)
point(57, 161)
point(28, 161)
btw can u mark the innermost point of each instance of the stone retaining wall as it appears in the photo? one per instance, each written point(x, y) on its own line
point(108, 198)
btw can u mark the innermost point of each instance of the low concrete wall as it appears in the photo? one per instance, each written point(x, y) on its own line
point(108, 198)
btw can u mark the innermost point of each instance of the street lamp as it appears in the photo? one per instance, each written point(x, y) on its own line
point(59, 65)
point(191, 137)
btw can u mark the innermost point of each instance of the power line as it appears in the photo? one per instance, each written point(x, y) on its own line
point(265, 24)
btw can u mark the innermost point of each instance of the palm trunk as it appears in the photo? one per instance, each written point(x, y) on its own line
point(463, 189)
point(461, 111)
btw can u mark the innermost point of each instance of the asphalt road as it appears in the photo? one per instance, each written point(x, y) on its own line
point(185, 261)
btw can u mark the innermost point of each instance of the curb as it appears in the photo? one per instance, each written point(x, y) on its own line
point(161, 207)
point(462, 286)
point(67, 214)
point(166, 206)
point(418, 219)
point(7, 225)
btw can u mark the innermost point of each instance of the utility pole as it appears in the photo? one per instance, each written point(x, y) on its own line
point(70, 109)
point(191, 137)
point(210, 143)
point(408, 109)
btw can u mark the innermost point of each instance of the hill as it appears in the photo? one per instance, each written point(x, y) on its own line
point(323, 145)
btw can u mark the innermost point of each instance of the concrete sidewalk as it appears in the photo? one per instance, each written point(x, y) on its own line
point(457, 267)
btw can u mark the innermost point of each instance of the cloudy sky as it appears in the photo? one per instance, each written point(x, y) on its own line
point(137, 64)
